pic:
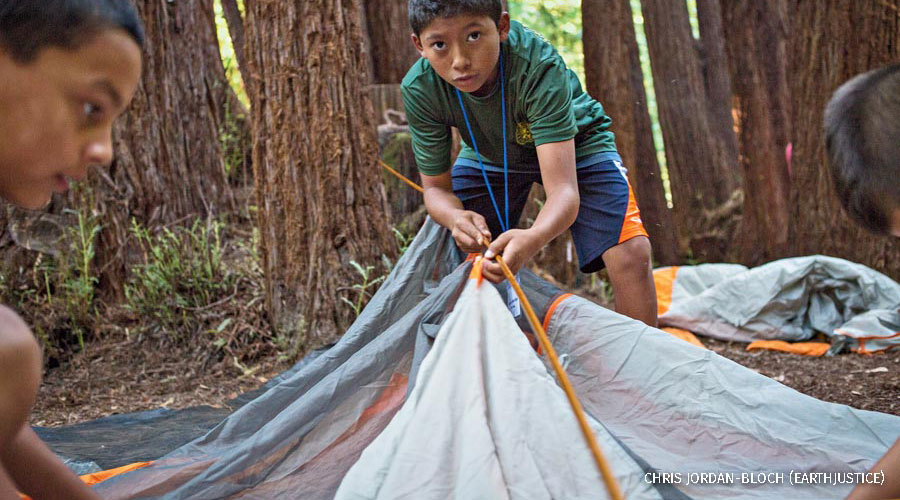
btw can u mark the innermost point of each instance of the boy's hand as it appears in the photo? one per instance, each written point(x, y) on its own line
point(517, 246)
point(470, 231)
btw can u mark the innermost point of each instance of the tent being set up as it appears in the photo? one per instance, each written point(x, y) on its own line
point(435, 393)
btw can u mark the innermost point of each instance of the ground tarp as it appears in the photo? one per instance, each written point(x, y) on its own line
point(474, 415)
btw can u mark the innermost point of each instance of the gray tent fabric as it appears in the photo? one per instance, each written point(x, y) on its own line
point(686, 409)
point(871, 331)
point(491, 419)
point(789, 299)
point(406, 397)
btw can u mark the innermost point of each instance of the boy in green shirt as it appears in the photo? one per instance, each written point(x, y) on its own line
point(69, 68)
point(523, 118)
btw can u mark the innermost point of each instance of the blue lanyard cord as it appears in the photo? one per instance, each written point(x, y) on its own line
point(504, 222)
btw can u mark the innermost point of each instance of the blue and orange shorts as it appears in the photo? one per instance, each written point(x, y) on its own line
point(608, 214)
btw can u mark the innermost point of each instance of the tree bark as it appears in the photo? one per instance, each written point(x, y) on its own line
point(757, 45)
point(169, 163)
point(715, 72)
point(236, 30)
point(613, 76)
point(833, 41)
point(392, 52)
point(702, 174)
point(321, 202)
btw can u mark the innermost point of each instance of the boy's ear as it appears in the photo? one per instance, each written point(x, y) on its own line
point(503, 26)
point(418, 43)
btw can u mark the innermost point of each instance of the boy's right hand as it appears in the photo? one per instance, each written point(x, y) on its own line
point(470, 231)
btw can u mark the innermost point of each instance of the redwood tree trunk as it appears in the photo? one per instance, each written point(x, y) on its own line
point(702, 173)
point(757, 44)
point(832, 41)
point(321, 203)
point(613, 76)
point(236, 31)
point(714, 62)
point(392, 52)
point(169, 162)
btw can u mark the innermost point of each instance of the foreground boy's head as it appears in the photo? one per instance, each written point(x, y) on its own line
point(461, 40)
point(69, 68)
point(862, 127)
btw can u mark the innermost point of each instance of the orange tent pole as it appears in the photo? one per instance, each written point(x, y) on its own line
point(401, 177)
point(611, 485)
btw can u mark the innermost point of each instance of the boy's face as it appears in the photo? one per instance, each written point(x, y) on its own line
point(57, 111)
point(464, 50)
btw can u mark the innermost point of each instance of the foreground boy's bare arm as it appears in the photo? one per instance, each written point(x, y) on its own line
point(27, 461)
point(468, 228)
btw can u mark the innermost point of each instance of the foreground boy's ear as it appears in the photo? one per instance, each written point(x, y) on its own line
point(503, 26)
point(418, 44)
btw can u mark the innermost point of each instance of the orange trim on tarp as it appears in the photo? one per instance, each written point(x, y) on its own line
point(683, 335)
point(664, 278)
point(862, 341)
point(98, 477)
point(552, 309)
point(802, 348)
point(632, 225)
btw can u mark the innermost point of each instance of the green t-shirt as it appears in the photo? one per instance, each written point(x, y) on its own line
point(544, 103)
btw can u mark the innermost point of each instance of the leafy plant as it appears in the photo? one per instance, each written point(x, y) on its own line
point(55, 291)
point(362, 288)
point(403, 240)
point(78, 282)
point(182, 273)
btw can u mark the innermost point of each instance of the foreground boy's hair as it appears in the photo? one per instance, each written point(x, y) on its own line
point(862, 130)
point(422, 12)
point(27, 26)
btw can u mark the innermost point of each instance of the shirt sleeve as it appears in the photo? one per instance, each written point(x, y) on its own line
point(431, 139)
point(548, 103)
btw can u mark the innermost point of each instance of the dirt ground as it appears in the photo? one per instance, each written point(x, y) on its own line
point(867, 382)
point(116, 375)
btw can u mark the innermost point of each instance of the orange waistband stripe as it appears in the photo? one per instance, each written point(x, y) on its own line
point(632, 225)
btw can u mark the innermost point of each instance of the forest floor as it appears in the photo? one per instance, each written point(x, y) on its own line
point(117, 375)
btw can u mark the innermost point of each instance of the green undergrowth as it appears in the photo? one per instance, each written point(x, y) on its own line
point(195, 286)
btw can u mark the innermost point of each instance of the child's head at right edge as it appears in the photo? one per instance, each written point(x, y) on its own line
point(69, 67)
point(862, 132)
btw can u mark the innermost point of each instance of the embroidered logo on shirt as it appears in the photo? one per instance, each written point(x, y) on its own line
point(523, 134)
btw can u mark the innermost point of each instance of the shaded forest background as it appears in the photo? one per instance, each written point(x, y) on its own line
point(246, 219)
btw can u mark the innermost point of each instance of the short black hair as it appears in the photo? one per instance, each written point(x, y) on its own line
point(862, 134)
point(28, 26)
point(423, 12)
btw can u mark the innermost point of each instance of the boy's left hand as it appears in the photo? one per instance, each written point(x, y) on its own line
point(516, 246)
